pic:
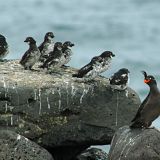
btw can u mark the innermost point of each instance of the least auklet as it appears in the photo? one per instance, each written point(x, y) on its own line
point(46, 46)
point(107, 57)
point(97, 65)
point(67, 52)
point(149, 109)
point(4, 48)
point(31, 56)
point(54, 57)
point(119, 80)
point(91, 70)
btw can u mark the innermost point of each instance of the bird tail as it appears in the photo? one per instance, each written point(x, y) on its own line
point(137, 124)
point(74, 75)
point(21, 62)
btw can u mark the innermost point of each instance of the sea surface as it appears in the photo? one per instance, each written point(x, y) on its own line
point(129, 28)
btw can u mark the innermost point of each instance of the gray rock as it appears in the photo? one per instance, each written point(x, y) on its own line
point(16, 147)
point(56, 110)
point(93, 154)
point(135, 144)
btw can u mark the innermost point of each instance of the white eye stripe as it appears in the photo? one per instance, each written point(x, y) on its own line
point(124, 75)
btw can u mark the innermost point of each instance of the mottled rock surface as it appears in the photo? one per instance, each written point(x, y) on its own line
point(93, 154)
point(16, 147)
point(135, 144)
point(60, 112)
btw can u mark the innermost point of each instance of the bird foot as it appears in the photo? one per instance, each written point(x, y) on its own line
point(64, 66)
point(151, 127)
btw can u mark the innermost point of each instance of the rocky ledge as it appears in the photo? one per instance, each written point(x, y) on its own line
point(139, 144)
point(64, 115)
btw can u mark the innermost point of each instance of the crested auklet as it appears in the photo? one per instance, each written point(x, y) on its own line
point(31, 56)
point(4, 49)
point(149, 109)
point(97, 65)
point(119, 80)
point(54, 56)
point(67, 52)
point(46, 46)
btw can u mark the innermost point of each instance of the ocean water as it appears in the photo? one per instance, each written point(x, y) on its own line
point(129, 28)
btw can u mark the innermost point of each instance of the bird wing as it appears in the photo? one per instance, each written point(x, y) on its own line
point(41, 46)
point(52, 55)
point(84, 70)
point(23, 59)
point(140, 108)
point(67, 52)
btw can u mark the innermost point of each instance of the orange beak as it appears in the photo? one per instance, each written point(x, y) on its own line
point(147, 80)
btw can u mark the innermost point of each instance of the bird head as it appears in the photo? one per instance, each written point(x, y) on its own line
point(30, 40)
point(68, 44)
point(2, 40)
point(124, 70)
point(149, 79)
point(58, 45)
point(106, 54)
point(49, 35)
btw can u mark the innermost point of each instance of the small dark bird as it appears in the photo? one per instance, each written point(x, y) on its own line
point(120, 79)
point(54, 56)
point(67, 51)
point(149, 109)
point(31, 56)
point(107, 57)
point(97, 65)
point(90, 70)
point(46, 46)
point(4, 49)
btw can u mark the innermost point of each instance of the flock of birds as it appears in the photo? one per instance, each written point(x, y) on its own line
point(57, 55)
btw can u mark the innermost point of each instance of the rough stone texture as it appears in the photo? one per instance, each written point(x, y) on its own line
point(135, 144)
point(16, 147)
point(60, 112)
point(93, 154)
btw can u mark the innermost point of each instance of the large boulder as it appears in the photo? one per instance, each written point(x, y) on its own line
point(59, 112)
point(17, 147)
point(139, 144)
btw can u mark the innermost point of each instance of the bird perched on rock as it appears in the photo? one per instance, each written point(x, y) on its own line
point(67, 51)
point(107, 57)
point(97, 65)
point(119, 80)
point(46, 46)
point(54, 57)
point(149, 109)
point(4, 49)
point(31, 56)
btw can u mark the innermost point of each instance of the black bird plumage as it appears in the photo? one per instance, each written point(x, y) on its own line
point(54, 56)
point(149, 109)
point(97, 65)
point(31, 56)
point(4, 48)
point(120, 79)
point(91, 70)
point(46, 46)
